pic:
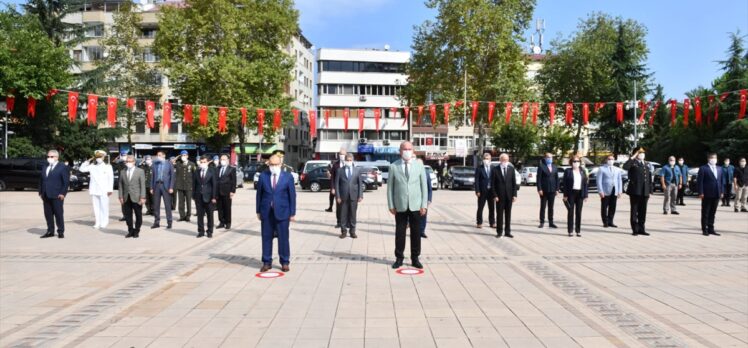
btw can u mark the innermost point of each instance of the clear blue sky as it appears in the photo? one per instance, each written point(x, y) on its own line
point(685, 37)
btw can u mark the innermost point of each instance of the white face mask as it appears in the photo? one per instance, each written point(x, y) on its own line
point(184, 158)
point(742, 163)
point(148, 162)
point(99, 160)
point(641, 157)
point(727, 163)
point(275, 169)
point(672, 163)
point(130, 165)
point(51, 160)
point(486, 162)
point(610, 162)
point(713, 161)
point(407, 154)
point(224, 162)
point(680, 163)
point(349, 163)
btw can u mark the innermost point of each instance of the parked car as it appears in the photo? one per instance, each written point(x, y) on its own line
point(316, 180)
point(23, 173)
point(285, 168)
point(460, 177)
point(530, 175)
point(385, 169)
point(370, 175)
point(656, 184)
point(691, 188)
point(314, 164)
point(432, 175)
point(249, 170)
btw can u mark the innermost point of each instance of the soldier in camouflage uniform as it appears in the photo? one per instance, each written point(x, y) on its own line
point(183, 185)
point(147, 167)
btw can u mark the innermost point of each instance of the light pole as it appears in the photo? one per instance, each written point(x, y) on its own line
point(636, 135)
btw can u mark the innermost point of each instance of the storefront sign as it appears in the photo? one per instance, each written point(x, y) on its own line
point(365, 148)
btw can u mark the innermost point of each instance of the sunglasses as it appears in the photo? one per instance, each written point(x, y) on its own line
point(51, 156)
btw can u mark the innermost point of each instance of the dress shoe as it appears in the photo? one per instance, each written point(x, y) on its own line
point(60, 235)
point(423, 235)
point(705, 233)
point(612, 225)
point(155, 226)
point(552, 225)
point(265, 268)
point(498, 235)
point(122, 219)
point(47, 235)
point(540, 225)
point(714, 233)
point(221, 226)
point(579, 234)
point(200, 235)
point(337, 225)
point(187, 219)
point(353, 234)
point(398, 263)
point(570, 234)
point(329, 210)
point(210, 234)
point(493, 225)
point(130, 235)
point(137, 235)
point(605, 225)
point(664, 213)
point(342, 234)
point(478, 226)
point(644, 233)
point(736, 210)
point(675, 213)
point(744, 210)
point(168, 226)
point(508, 235)
point(416, 264)
point(285, 268)
point(228, 226)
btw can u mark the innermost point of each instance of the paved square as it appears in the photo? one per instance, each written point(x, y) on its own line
point(541, 289)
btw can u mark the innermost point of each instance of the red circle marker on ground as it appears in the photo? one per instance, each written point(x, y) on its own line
point(269, 275)
point(409, 271)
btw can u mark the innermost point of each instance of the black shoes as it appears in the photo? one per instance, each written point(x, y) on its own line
point(423, 235)
point(200, 235)
point(130, 235)
point(122, 219)
point(221, 225)
point(60, 235)
point(155, 226)
point(714, 233)
point(398, 263)
point(353, 234)
point(342, 234)
point(675, 213)
point(416, 264)
point(644, 233)
point(508, 235)
point(47, 235)
point(612, 225)
point(552, 225)
point(605, 224)
point(541, 225)
point(329, 210)
point(337, 225)
point(228, 226)
point(571, 235)
point(168, 225)
point(210, 234)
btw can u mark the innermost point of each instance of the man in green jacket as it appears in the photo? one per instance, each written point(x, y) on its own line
point(184, 169)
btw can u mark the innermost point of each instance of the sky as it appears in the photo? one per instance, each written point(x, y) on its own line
point(686, 38)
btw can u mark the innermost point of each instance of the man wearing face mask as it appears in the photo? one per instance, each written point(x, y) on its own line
point(226, 191)
point(53, 187)
point(639, 189)
point(118, 165)
point(100, 186)
point(609, 186)
point(504, 186)
point(132, 195)
point(709, 182)
point(147, 167)
point(684, 180)
point(349, 192)
point(670, 179)
point(162, 185)
point(205, 189)
point(407, 200)
point(727, 181)
point(547, 185)
point(334, 168)
point(741, 185)
point(185, 170)
point(484, 192)
point(275, 205)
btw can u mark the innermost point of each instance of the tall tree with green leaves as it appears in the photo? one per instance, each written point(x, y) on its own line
point(473, 43)
point(51, 14)
point(228, 53)
point(520, 141)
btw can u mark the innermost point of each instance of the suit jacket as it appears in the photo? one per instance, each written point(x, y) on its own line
point(134, 188)
point(282, 198)
point(504, 187)
point(167, 176)
point(482, 179)
point(56, 183)
point(708, 185)
point(547, 180)
point(609, 177)
point(569, 182)
point(407, 193)
point(334, 167)
point(640, 178)
point(349, 189)
point(728, 174)
point(227, 182)
point(206, 188)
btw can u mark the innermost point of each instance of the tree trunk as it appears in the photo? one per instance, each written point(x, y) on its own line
point(242, 153)
point(576, 138)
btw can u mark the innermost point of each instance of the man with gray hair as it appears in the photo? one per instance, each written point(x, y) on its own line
point(504, 188)
point(671, 181)
point(349, 192)
point(53, 186)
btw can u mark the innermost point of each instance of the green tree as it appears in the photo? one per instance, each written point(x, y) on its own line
point(519, 140)
point(51, 14)
point(24, 147)
point(477, 40)
point(228, 52)
point(556, 140)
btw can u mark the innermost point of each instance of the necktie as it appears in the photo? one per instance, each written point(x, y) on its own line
point(202, 173)
point(274, 181)
point(407, 174)
point(222, 170)
point(487, 172)
point(503, 171)
point(49, 168)
point(348, 172)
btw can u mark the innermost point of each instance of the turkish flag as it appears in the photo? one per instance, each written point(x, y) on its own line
point(277, 119)
point(93, 104)
point(203, 115)
point(260, 121)
point(569, 113)
point(312, 124)
point(244, 116)
point(222, 111)
point(673, 110)
point(406, 111)
point(585, 113)
point(491, 108)
point(10, 103)
point(377, 114)
point(458, 104)
point(187, 114)
point(72, 106)
point(295, 116)
point(432, 112)
point(551, 113)
point(686, 111)
point(111, 111)
point(346, 115)
point(393, 112)
point(697, 110)
point(654, 111)
point(150, 107)
point(474, 107)
point(327, 119)
point(508, 112)
point(50, 94)
point(535, 109)
point(31, 107)
point(420, 114)
point(130, 103)
point(619, 112)
point(360, 120)
point(643, 107)
point(166, 116)
point(743, 96)
point(598, 106)
point(525, 109)
point(446, 113)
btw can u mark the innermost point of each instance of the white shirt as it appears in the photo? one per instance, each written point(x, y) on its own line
point(714, 170)
point(101, 178)
point(577, 180)
point(50, 167)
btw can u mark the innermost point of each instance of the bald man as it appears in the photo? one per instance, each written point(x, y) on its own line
point(275, 206)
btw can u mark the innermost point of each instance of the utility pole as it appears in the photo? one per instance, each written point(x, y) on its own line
point(636, 135)
point(464, 108)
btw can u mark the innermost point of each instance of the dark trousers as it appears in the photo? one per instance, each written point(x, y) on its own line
point(574, 211)
point(402, 221)
point(638, 212)
point(681, 192)
point(727, 195)
point(53, 213)
point(708, 210)
point(504, 216)
point(348, 214)
point(486, 197)
point(547, 199)
point(148, 201)
point(337, 207)
point(224, 209)
point(269, 225)
point(131, 208)
point(608, 208)
point(424, 219)
point(184, 204)
point(203, 209)
point(161, 191)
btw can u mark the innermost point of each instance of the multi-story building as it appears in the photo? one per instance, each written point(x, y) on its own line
point(361, 80)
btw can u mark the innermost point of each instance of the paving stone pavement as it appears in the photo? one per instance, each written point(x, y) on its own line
point(95, 288)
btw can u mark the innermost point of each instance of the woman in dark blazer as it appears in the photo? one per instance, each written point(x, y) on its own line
point(575, 192)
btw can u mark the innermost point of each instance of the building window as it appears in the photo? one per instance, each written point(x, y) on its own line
point(95, 30)
point(94, 53)
point(148, 33)
point(149, 56)
point(78, 55)
point(334, 65)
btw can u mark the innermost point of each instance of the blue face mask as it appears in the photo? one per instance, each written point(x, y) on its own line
point(548, 160)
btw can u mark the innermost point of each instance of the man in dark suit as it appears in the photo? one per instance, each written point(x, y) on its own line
point(504, 188)
point(709, 181)
point(132, 182)
point(147, 167)
point(275, 205)
point(205, 193)
point(334, 167)
point(53, 186)
point(547, 185)
point(226, 191)
point(484, 192)
point(639, 189)
point(162, 185)
point(349, 191)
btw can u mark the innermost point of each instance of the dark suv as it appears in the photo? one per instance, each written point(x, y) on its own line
point(23, 173)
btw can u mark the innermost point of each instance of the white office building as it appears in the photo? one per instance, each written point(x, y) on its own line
point(360, 79)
